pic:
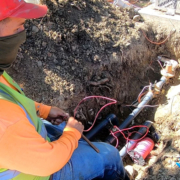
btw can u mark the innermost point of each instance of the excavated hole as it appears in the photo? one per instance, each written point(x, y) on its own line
point(84, 48)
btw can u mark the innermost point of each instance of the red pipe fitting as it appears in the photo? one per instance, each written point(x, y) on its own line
point(141, 150)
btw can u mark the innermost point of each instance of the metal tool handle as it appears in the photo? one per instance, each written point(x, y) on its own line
point(90, 143)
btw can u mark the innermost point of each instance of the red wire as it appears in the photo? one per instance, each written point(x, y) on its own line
point(129, 129)
point(157, 43)
point(129, 134)
point(117, 140)
point(118, 130)
point(89, 97)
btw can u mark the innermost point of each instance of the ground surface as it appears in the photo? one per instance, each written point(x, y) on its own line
point(89, 47)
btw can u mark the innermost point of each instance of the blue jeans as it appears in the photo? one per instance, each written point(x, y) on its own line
point(86, 163)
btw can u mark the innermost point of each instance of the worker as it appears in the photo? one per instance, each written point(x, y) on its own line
point(31, 148)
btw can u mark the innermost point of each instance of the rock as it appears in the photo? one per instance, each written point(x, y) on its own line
point(168, 160)
point(44, 44)
point(96, 57)
point(35, 29)
point(73, 48)
point(54, 35)
point(58, 67)
point(179, 60)
point(176, 145)
point(136, 18)
point(39, 63)
point(152, 160)
point(55, 61)
point(128, 44)
point(73, 68)
point(130, 171)
point(173, 164)
point(63, 62)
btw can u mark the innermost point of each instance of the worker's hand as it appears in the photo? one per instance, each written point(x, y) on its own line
point(57, 115)
point(73, 123)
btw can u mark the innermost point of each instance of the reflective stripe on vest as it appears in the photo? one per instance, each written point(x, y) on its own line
point(9, 174)
point(43, 132)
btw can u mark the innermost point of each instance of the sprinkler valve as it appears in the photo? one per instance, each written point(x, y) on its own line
point(171, 66)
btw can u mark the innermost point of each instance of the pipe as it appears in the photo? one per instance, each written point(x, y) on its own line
point(154, 134)
point(110, 119)
point(165, 76)
point(131, 144)
point(110, 139)
point(159, 85)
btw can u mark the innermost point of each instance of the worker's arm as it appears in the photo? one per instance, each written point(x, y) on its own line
point(42, 110)
point(53, 114)
point(24, 150)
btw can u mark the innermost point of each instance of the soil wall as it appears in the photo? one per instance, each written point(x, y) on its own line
point(87, 48)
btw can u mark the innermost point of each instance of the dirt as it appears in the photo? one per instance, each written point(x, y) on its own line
point(89, 47)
